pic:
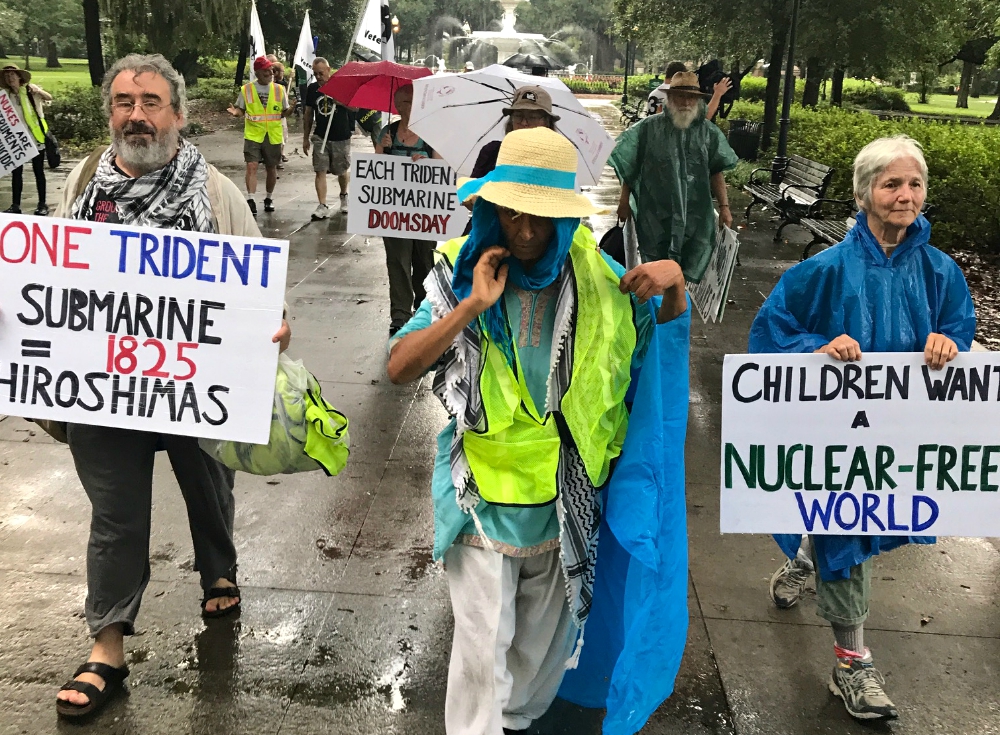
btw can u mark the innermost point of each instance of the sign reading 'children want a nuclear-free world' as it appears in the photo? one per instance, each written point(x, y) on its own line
point(139, 328)
point(884, 446)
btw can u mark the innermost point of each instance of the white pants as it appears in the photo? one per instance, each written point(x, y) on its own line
point(513, 636)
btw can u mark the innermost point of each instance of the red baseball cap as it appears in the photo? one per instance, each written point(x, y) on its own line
point(261, 63)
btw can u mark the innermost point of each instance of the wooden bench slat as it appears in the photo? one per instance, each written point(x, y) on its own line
point(820, 168)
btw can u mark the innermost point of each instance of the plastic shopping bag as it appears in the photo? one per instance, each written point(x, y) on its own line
point(307, 433)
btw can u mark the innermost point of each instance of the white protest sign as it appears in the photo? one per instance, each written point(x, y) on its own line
point(884, 446)
point(17, 146)
point(138, 328)
point(393, 196)
point(709, 294)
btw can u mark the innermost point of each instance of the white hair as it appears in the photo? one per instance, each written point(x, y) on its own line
point(877, 156)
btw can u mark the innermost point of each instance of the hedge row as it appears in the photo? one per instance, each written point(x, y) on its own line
point(964, 182)
point(857, 93)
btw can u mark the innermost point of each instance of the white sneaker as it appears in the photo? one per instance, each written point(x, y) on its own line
point(322, 212)
point(343, 203)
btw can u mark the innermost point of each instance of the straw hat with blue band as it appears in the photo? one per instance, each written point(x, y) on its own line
point(535, 174)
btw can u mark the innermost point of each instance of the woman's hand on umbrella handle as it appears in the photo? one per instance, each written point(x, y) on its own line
point(386, 142)
point(418, 156)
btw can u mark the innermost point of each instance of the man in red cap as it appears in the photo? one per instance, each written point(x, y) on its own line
point(262, 104)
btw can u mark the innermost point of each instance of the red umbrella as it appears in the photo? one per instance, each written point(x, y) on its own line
point(370, 85)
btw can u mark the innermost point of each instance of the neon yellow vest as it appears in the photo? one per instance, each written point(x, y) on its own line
point(37, 127)
point(515, 458)
point(259, 121)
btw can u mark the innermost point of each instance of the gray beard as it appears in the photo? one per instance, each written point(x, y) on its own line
point(682, 119)
point(142, 157)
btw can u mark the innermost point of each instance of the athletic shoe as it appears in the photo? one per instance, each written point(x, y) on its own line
point(42, 210)
point(253, 207)
point(343, 203)
point(857, 682)
point(12, 210)
point(268, 205)
point(788, 583)
point(321, 212)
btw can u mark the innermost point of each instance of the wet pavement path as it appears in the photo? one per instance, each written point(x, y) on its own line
point(346, 625)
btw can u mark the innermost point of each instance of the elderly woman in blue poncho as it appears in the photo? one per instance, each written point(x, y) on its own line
point(885, 288)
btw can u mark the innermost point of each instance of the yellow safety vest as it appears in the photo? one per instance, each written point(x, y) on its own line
point(38, 127)
point(515, 458)
point(259, 121)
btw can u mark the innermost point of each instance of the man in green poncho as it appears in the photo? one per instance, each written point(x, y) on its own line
point(670, 167)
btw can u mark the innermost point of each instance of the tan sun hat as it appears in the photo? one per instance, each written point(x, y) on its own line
point(686, 83)
point(23, 73)
point(532, 98)
point(535, 174)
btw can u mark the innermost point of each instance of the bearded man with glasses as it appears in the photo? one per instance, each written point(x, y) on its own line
point(148, 177)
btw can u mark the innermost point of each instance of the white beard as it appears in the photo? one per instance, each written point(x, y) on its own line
point(143, 157)
point(682, 119)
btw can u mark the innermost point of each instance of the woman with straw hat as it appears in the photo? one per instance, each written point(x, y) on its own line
point(533, 334)
point(27, 100)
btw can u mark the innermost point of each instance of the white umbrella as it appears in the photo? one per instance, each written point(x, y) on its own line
point(457, 114)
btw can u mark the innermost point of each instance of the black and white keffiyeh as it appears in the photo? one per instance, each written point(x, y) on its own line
point(456, 384)
point(174, 197)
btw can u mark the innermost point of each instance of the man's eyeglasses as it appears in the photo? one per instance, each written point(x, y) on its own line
point(529, 117)
point(125, 107)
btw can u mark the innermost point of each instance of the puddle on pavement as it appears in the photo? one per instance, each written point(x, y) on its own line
point(420, 560)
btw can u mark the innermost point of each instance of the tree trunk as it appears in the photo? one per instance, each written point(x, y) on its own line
point(92, 32)
point(995, 115)
point(815, 76)
point(924, 84)
point(968, 70)
point(772, 95)
point(974, 83)
point(186, 63)
point(51, 55)
point(837, 87)
point(3, 51)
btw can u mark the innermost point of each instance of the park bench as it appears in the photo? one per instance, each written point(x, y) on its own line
point(631, 112)
point(800, 184)
point(829, 220)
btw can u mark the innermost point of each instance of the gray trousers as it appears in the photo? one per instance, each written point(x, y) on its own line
point(408, 262)
point(116, 469)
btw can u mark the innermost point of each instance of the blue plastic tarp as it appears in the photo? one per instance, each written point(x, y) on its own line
point(635, 635)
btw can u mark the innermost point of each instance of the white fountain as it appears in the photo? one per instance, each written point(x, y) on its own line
point(507, 40)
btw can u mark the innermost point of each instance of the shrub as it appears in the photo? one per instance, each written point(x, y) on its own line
point(76, 117)
point(874, 97)
point(218, 90)
point(964, 181)
point(752, 89)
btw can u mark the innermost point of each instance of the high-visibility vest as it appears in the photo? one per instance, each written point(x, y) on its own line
point(36, 125)
point(259, 121)
point(515, 458)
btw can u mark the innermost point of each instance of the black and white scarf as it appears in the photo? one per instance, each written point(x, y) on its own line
point(456, 384)
point(174, 197)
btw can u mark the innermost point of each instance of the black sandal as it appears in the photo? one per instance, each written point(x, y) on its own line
point(97, 698)
point(221, 592)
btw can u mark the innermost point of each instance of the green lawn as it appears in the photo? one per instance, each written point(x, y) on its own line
point(944, 104)
point(73, 71)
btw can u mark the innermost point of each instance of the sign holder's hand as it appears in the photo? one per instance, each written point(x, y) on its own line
point(652, 279)
point(843, 348)
point(283, 336)
point(939, 350)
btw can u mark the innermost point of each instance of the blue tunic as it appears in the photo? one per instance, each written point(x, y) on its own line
point(888, 304)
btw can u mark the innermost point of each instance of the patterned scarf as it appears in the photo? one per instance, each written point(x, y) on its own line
point(174, 197)
point(456, 384)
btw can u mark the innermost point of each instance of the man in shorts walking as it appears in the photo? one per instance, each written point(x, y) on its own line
point(262, 104)
point(335, 125)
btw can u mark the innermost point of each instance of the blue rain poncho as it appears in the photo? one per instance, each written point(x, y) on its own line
point(637, 628)
point(888, 304)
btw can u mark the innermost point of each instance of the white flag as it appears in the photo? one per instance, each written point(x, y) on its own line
point(305, 52)
point(256, 36)
point(375, 29)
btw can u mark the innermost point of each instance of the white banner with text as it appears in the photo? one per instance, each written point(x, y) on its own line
point(884, 446)
point(17, 146)
point(393, 196)
point(138, 328)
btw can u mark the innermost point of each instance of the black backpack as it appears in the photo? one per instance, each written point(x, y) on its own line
point(711, 73)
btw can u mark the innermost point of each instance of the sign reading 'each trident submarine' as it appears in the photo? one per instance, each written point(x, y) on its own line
point(139, 328)
point(393, 196)
point(884, 446)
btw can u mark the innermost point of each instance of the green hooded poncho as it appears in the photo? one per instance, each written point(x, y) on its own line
point(668, 171)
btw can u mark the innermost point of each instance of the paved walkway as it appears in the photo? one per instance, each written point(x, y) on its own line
point(346, 624)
